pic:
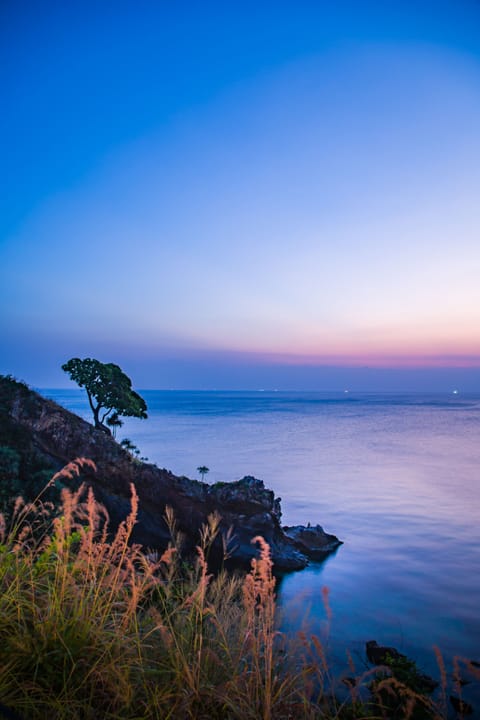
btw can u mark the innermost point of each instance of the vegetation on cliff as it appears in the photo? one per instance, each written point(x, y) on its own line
point(97, 628)
point(24, 469)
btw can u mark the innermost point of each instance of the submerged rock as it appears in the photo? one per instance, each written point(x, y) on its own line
point(401, 666)
point(246, 507)
point(379, 654)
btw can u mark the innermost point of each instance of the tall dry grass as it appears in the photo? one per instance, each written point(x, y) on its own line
point(93, 627)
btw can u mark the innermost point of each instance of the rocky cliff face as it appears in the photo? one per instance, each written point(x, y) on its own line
point(246, 507)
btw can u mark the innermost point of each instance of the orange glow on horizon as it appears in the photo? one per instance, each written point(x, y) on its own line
point(377, 360)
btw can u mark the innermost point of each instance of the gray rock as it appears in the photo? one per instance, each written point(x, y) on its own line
point(312, 540)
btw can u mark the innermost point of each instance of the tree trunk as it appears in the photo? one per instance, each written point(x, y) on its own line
point(98, 423)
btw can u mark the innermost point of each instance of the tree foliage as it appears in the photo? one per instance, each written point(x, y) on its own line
point(108, 389)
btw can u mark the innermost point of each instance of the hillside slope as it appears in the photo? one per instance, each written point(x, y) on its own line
point(45, 436)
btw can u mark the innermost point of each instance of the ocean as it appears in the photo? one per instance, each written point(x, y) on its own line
point(396, 477)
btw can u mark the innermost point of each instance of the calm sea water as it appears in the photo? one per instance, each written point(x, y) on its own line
point(396, 477)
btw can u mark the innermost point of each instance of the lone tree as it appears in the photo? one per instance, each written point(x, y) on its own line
point(109, 390)
point(203, 470)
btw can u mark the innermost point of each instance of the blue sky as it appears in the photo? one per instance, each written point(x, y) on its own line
point(242, 194)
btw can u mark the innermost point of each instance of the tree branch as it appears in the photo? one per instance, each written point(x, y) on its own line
point(106, 414)
point(90, 401)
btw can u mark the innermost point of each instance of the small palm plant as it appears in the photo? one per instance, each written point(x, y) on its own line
point(114, 423)
point(203, 470)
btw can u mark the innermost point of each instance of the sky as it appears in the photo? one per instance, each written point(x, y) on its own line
point(242, 195)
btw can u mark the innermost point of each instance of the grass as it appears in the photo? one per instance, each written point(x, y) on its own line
point(92, 626)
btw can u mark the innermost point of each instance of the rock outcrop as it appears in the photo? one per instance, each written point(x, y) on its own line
point(246, 507)
point(401, 667)
point(312, 540)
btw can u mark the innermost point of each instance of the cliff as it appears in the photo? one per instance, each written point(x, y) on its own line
point(53, 436)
